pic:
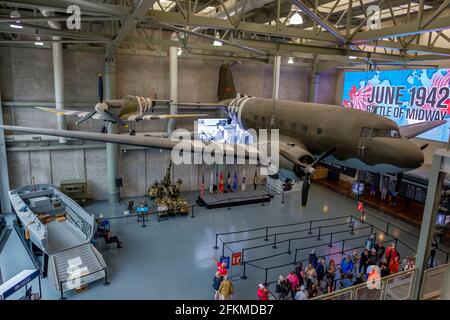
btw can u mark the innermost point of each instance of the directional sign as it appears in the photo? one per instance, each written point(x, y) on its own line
point(226, 260)
point(236, 258)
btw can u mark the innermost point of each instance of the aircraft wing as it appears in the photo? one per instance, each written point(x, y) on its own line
point(80, 114)
point(413, 130)
point(192, 104)
point(147, 117)
point(241, 151)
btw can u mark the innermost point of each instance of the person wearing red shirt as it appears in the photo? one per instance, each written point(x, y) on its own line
point(221, 267)
point(393, 266)
point(263, 293)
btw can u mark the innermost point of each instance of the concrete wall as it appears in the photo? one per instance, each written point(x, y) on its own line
point(26, 75)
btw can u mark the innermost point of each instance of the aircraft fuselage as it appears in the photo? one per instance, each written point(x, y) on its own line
point(366, 141)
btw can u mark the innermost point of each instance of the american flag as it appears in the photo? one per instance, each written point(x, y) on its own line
point(202, 186)
point(358, 98)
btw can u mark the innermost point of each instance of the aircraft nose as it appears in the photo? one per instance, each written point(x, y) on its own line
point(412, 155)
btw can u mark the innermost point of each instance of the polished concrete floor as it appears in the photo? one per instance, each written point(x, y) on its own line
point(172, 259)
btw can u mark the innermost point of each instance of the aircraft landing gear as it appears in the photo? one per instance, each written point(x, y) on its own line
point(132, 132)
point(104, 129)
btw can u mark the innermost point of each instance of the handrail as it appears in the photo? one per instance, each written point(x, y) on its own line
point(362, 285)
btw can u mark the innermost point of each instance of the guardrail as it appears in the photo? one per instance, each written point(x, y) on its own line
point(395, 287)
point(61, 289)
point(433, 282)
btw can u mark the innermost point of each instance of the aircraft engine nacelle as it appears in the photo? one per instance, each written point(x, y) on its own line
point(296, 152)
point(101, 107)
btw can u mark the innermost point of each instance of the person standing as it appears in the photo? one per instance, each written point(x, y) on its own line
point(394, 266)
point(299, 273)
point(364, 261)
point(282, 288)
point(370, 242)
point(331, 272)
point(347, 265)
point(301, 294)
point(226, 289)
point(221, 267)
point(311, 276)
point(294, 282)
point(216, 285)
point(434, 247)
point(313, 258)
point(263, 293)
point(320, 270)
point(379, 247)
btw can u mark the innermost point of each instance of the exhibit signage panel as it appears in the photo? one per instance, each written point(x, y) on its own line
point(405, 96)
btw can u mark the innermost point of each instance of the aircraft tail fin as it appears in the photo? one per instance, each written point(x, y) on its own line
point(226, 89)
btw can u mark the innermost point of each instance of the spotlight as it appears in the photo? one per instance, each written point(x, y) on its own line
point(38, 42)
point(290, 60)
point(217, 43)
point(296, 18)
point(180, 51)
point(15, 15)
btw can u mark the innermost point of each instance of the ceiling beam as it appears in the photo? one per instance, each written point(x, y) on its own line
point(139, 11)
point(216, 23)
point(411, 48)
point(327, 26)
point(61, 6)
point(402, 30)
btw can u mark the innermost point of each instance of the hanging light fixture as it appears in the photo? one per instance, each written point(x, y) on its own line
point(217, 43)
point(38, 42)
point(296, 18)
point(15, 15)
point(179, 52)
point(290, 60)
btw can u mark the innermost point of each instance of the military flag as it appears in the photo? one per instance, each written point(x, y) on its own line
point(244, 180)
point(221, 182)
point(235, 183)
point(211, 182)
point(229, 182)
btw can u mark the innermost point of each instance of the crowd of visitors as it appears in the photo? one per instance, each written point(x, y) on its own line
point(321, 276)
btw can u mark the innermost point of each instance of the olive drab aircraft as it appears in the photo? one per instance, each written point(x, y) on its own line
point(308, 134)
point(132, 109)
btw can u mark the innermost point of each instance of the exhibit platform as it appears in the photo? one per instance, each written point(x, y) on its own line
point(220, 200)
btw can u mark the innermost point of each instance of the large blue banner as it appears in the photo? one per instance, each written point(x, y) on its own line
point(405, 96)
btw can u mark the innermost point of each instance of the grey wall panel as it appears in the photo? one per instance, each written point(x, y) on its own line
point(96, 173)
point(254, 79)
point(132, 171)
point(197, 80)
point(19, 169)
point(189, 174)
point(33, 74)
point(294, 83)
point(326, 91)
point(139, 75)
point(40, 166)
point(6, 76)
point(31, 117)
point(67, 165)
point(157, 161)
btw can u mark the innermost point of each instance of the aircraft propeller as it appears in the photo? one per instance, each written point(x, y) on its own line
point(309, 171)
point(101, 107)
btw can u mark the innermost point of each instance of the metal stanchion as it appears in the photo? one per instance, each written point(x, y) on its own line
point(289, 247)
point(106, 283)
point(215, 246)
point(223, 250)
point(265, 278)
point(343, 245)
point(62, 291)
point(229, 203)
point(267, 233)
point(282, 197)
point(318, 238)
point(353, 228)
point(371, 230)
point(143, 221)
point(242, 256)
point(310, 227)
point(244, 275)
point(351, 221)
point(295, 257)
point(331, 241)
point(192, 213)
point(263, 202)
point(275, 242)
point(387, 228)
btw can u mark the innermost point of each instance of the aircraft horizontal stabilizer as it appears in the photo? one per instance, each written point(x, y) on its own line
point(413, 130)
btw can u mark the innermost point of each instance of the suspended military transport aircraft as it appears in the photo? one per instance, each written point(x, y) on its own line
point(308, 133)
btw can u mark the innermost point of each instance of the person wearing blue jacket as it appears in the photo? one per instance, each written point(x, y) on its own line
point(347, 265)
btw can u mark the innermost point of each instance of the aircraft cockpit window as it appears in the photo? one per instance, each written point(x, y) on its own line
point(386, 133)
point(366, 132)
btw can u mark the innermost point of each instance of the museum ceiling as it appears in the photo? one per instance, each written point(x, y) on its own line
point(334, 30)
